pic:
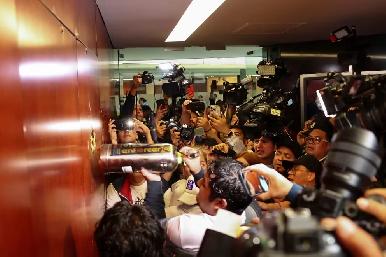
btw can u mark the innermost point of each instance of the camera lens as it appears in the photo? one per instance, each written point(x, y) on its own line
point(353, 159)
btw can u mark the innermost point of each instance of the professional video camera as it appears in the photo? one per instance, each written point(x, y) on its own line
point(147, 77)
point(234, 93)
point(356, 101)
point(177, 83)
point(273, 107)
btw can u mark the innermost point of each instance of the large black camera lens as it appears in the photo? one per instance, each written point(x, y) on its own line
point(353, 159)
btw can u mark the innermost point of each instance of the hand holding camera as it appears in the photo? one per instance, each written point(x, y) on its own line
point(219, 123)
point(161, 129)
point(278, 185)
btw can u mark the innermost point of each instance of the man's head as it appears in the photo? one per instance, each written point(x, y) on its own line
point(238, 132)
point(286, 150)
point(318, 140)
point(224, 186)
point(125, 131)
point(265, 147)
point(129, 230)
point(305, 171)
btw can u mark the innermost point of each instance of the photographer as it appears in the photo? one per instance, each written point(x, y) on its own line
point(133, 186)
point(354, 239)
point(127, 130)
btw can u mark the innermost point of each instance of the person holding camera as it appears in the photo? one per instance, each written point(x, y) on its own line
point(133, 186)
point(354, 239)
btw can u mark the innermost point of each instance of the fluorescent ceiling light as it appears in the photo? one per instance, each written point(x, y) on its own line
point(196, 13)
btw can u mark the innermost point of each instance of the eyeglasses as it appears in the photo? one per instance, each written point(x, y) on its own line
point(315, 140)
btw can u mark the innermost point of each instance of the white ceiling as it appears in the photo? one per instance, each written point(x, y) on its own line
point(145, 23)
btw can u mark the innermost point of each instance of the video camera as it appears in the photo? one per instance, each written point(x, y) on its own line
point(234, 93)
point(147, 77)
point(356, 101)
point(273, 107)
point(177, 83)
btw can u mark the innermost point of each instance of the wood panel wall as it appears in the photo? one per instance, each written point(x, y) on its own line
point(53, 83)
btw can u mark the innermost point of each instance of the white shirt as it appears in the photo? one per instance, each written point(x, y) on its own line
point(188, 230)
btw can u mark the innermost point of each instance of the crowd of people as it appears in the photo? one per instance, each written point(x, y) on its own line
point(227, 171)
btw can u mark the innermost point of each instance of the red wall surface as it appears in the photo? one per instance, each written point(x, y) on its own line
point(53, 84)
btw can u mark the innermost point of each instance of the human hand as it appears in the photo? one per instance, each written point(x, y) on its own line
point(223, 147)
point(162, 110)
point(141, 127)
point(219, 123)
point(191, 158)
point(373, 207)
point(278, 185)
point(203, 123)
point(175, 136)
point(354, 239)
point(113, 132)
point(185, 105)
point(273, 206)
point(150, 176)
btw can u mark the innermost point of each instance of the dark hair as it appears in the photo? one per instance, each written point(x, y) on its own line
point(129, 230)
point(227, 182)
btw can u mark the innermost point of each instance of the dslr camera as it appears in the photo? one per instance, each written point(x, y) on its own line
point(124, 124)
point(234, 93)
point(186, 131)
point(292, 233)
point(354, 158)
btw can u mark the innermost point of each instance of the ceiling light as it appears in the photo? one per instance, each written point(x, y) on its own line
point(196, 13)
